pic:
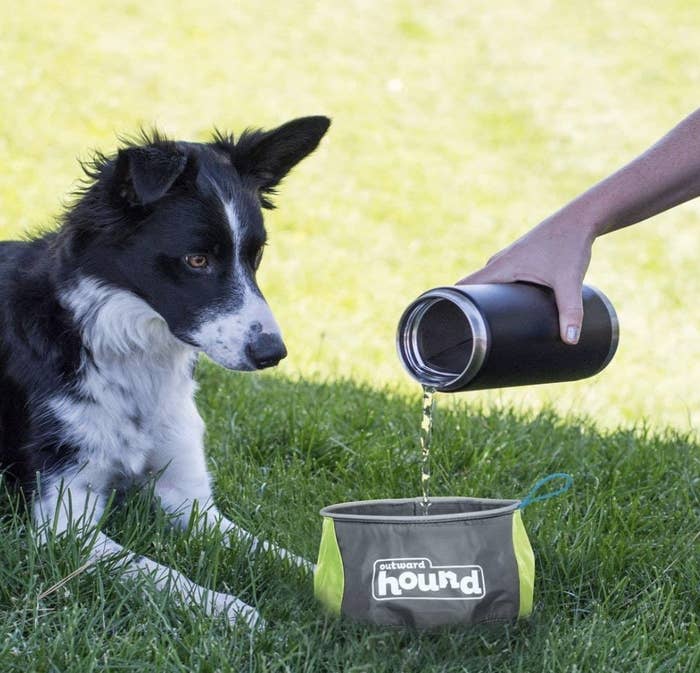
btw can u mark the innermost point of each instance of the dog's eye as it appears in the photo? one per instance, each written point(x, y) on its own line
point(197, 261)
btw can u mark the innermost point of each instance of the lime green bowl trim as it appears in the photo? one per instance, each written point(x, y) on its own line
point(526, 564)
point(329, 578)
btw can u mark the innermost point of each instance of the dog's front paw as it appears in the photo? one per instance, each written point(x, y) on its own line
point(235, 610)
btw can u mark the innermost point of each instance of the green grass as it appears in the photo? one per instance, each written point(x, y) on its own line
point(456, 127)
point(618, 574)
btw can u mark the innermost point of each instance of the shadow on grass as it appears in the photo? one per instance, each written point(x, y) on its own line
point(618, 548)
point(617, 563)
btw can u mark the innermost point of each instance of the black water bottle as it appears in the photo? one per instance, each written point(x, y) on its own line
point(472, 337)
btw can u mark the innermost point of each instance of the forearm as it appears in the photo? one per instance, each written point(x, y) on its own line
point(667, 174)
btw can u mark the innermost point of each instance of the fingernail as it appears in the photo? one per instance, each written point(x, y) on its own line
point(572, 334)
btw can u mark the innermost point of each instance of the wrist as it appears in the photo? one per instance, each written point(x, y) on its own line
point(593, 213)
point(576, 220)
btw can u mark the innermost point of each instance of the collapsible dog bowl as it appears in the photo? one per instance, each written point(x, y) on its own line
point(469, 561)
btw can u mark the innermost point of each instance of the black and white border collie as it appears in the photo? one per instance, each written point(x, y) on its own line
point(102, 320)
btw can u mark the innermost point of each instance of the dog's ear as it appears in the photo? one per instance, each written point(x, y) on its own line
point(145, 174)
point(267, 156)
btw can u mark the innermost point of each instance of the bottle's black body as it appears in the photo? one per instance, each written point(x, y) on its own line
point(471, 337)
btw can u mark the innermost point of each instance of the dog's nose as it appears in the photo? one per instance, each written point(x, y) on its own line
point(266, 350)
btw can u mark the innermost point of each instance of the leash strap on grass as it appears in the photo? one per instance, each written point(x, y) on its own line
point(532, 495)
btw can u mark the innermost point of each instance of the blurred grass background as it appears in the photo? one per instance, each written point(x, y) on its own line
point(456, 127)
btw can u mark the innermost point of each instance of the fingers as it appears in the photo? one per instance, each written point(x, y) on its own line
point(570, 306)
point(569, 300)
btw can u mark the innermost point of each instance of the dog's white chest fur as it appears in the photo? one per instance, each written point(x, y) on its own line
point(136, 393)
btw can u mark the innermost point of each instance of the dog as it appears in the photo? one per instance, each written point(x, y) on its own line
point(102, 321)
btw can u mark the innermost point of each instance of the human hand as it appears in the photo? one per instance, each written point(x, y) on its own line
point(556, 253)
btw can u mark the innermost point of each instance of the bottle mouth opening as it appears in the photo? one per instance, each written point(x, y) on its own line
point(442, 339)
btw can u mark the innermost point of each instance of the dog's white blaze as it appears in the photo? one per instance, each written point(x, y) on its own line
point(233, 220)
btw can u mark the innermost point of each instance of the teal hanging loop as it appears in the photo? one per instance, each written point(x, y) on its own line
point(532, 497)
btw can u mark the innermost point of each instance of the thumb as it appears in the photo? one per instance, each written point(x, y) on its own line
point(570, 306)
